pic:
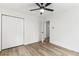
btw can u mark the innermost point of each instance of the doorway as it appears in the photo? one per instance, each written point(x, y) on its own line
point(48, 29)
point(45, 31)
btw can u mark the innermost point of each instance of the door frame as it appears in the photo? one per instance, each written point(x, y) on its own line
point(44, 29)
point(2, 24)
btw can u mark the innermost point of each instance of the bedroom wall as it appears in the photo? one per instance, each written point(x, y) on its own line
point(64, 28)
point(32, 29)
point(0, 30)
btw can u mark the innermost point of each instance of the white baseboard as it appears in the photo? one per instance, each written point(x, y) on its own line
point(62, 45)
point(30, 42)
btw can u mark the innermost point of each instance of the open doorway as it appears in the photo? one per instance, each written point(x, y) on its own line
point(47, 34)
point(45, 31)
point(48, 29)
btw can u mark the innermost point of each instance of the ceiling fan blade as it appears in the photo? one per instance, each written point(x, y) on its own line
point(38, 4)
point(47, 4)
point(48, 9)
point(35, 9)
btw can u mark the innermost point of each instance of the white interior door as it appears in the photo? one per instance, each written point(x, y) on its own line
point(43, 30)
point(12, 31)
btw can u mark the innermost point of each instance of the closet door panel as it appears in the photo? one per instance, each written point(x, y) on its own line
point(12, 31)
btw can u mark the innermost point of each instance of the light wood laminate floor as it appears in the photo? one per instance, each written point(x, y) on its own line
point(38, 49)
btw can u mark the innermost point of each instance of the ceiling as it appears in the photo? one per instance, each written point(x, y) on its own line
point(20, 7)
point(25, 7)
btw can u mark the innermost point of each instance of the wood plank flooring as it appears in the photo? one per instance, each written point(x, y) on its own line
point(38, 49)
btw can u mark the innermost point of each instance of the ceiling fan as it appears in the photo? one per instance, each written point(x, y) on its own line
point(42, 7)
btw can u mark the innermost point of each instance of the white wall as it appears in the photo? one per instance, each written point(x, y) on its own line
point(66, 28)
point(0, 30)
point(32, 29)
point(31, 25)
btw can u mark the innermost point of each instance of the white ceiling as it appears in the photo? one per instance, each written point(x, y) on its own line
point(25, 7)
point(20, 7)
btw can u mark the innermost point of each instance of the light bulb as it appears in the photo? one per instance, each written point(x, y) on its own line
point(42, 10)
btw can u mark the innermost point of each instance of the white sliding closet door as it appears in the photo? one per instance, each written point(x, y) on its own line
point(12, 31)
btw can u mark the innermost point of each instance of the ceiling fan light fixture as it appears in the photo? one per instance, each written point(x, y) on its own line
point(41, 10)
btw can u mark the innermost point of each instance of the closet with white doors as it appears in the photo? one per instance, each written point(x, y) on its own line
point(12, 31)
